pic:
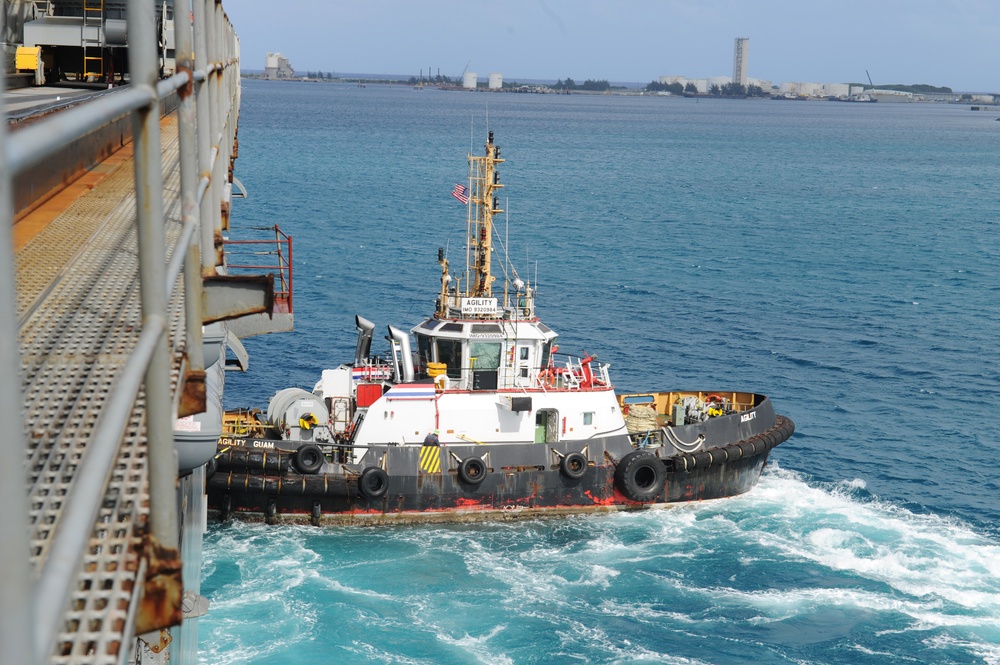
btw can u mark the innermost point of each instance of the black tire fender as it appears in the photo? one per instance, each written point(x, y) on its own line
point(573, 466)
point(640, 476)
point(472, 470)
point(309, 459)
point(373, 483)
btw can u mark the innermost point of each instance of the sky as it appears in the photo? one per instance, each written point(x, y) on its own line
point(954, 43)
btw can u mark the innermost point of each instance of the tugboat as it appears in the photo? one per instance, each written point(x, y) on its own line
point(483, 419)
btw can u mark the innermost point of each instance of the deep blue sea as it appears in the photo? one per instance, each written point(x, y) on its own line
point(841, 258)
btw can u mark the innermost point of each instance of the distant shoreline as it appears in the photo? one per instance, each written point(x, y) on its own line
point(977, 99)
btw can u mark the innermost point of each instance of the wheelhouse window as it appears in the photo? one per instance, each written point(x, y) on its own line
point(450, 353)
point(547, 352)
point(486, 355)
point(424, 353)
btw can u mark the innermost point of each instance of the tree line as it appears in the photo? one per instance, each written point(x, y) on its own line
point(588, 85)
point(726, 90)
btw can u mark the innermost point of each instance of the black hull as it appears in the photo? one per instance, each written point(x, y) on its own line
point(518, 480)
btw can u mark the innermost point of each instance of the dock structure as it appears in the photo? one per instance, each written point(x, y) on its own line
point(104, 292)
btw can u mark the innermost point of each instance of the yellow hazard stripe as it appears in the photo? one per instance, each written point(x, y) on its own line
point(430, 459)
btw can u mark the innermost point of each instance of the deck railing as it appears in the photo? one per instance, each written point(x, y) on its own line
point(207, 84)
point(273, 254)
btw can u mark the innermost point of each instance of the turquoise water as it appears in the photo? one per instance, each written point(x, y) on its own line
point(838, 257)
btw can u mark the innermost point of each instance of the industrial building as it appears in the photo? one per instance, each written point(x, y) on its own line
point(276, 67)
point(741, 59)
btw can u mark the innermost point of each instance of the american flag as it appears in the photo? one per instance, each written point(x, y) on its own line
point(461, 192)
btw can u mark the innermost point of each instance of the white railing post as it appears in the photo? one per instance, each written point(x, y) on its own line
point(187, 146)
point(204, 109)
point(16, 627)
point(218, 112)
point(142, 55)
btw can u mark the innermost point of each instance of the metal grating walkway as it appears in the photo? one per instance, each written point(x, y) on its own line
point(79, 315)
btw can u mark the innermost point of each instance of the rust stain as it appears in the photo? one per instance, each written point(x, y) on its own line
point(220, 249)
point(193, 395)
point(162, 589)
point(35, 218)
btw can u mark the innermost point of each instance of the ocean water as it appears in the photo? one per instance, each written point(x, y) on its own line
point(841, 258)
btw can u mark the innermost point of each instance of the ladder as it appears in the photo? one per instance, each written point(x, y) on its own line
point(93, 38)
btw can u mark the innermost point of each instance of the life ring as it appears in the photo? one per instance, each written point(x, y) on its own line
point(472, 470)
point(309, 459)
point(373, 483)
point(573, 466)
point(640, 476)
point(547, 377)
point(713, 398)
point(442, 382)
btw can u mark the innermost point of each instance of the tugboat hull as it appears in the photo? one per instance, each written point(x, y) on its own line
point(489, 481)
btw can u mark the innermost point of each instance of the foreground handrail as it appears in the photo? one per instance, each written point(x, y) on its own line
point(30, 632)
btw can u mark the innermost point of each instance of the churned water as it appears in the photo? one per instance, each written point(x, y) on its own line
point(841, 258)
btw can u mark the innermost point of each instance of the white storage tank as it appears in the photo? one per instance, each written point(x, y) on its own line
point(495, 81)
point(470, 80)
point(836, 90)
point(810, 89)
point(788, 88)
point(719, 81)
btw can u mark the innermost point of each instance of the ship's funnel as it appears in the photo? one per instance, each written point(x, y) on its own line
point(403, 339)
point(364, 347)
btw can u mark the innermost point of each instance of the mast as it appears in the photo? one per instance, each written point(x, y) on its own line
point(485, 180)
point(471, 296)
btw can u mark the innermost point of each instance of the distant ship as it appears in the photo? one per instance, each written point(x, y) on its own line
point(484, 419)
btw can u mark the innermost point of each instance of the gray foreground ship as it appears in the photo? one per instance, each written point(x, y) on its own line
point(118, 301)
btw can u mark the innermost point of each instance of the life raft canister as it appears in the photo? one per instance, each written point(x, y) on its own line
point(640, 476)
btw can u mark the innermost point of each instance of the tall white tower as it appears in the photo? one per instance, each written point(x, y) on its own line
point(741, 56)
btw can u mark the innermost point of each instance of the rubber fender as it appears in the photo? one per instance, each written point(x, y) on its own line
point(308, 459)
point(734, 451)
point(640, 476)
point(211, 466)
point(703, 459)
point(748, 448)
point(472, 470)
point(573, 466)
point(373, 483)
